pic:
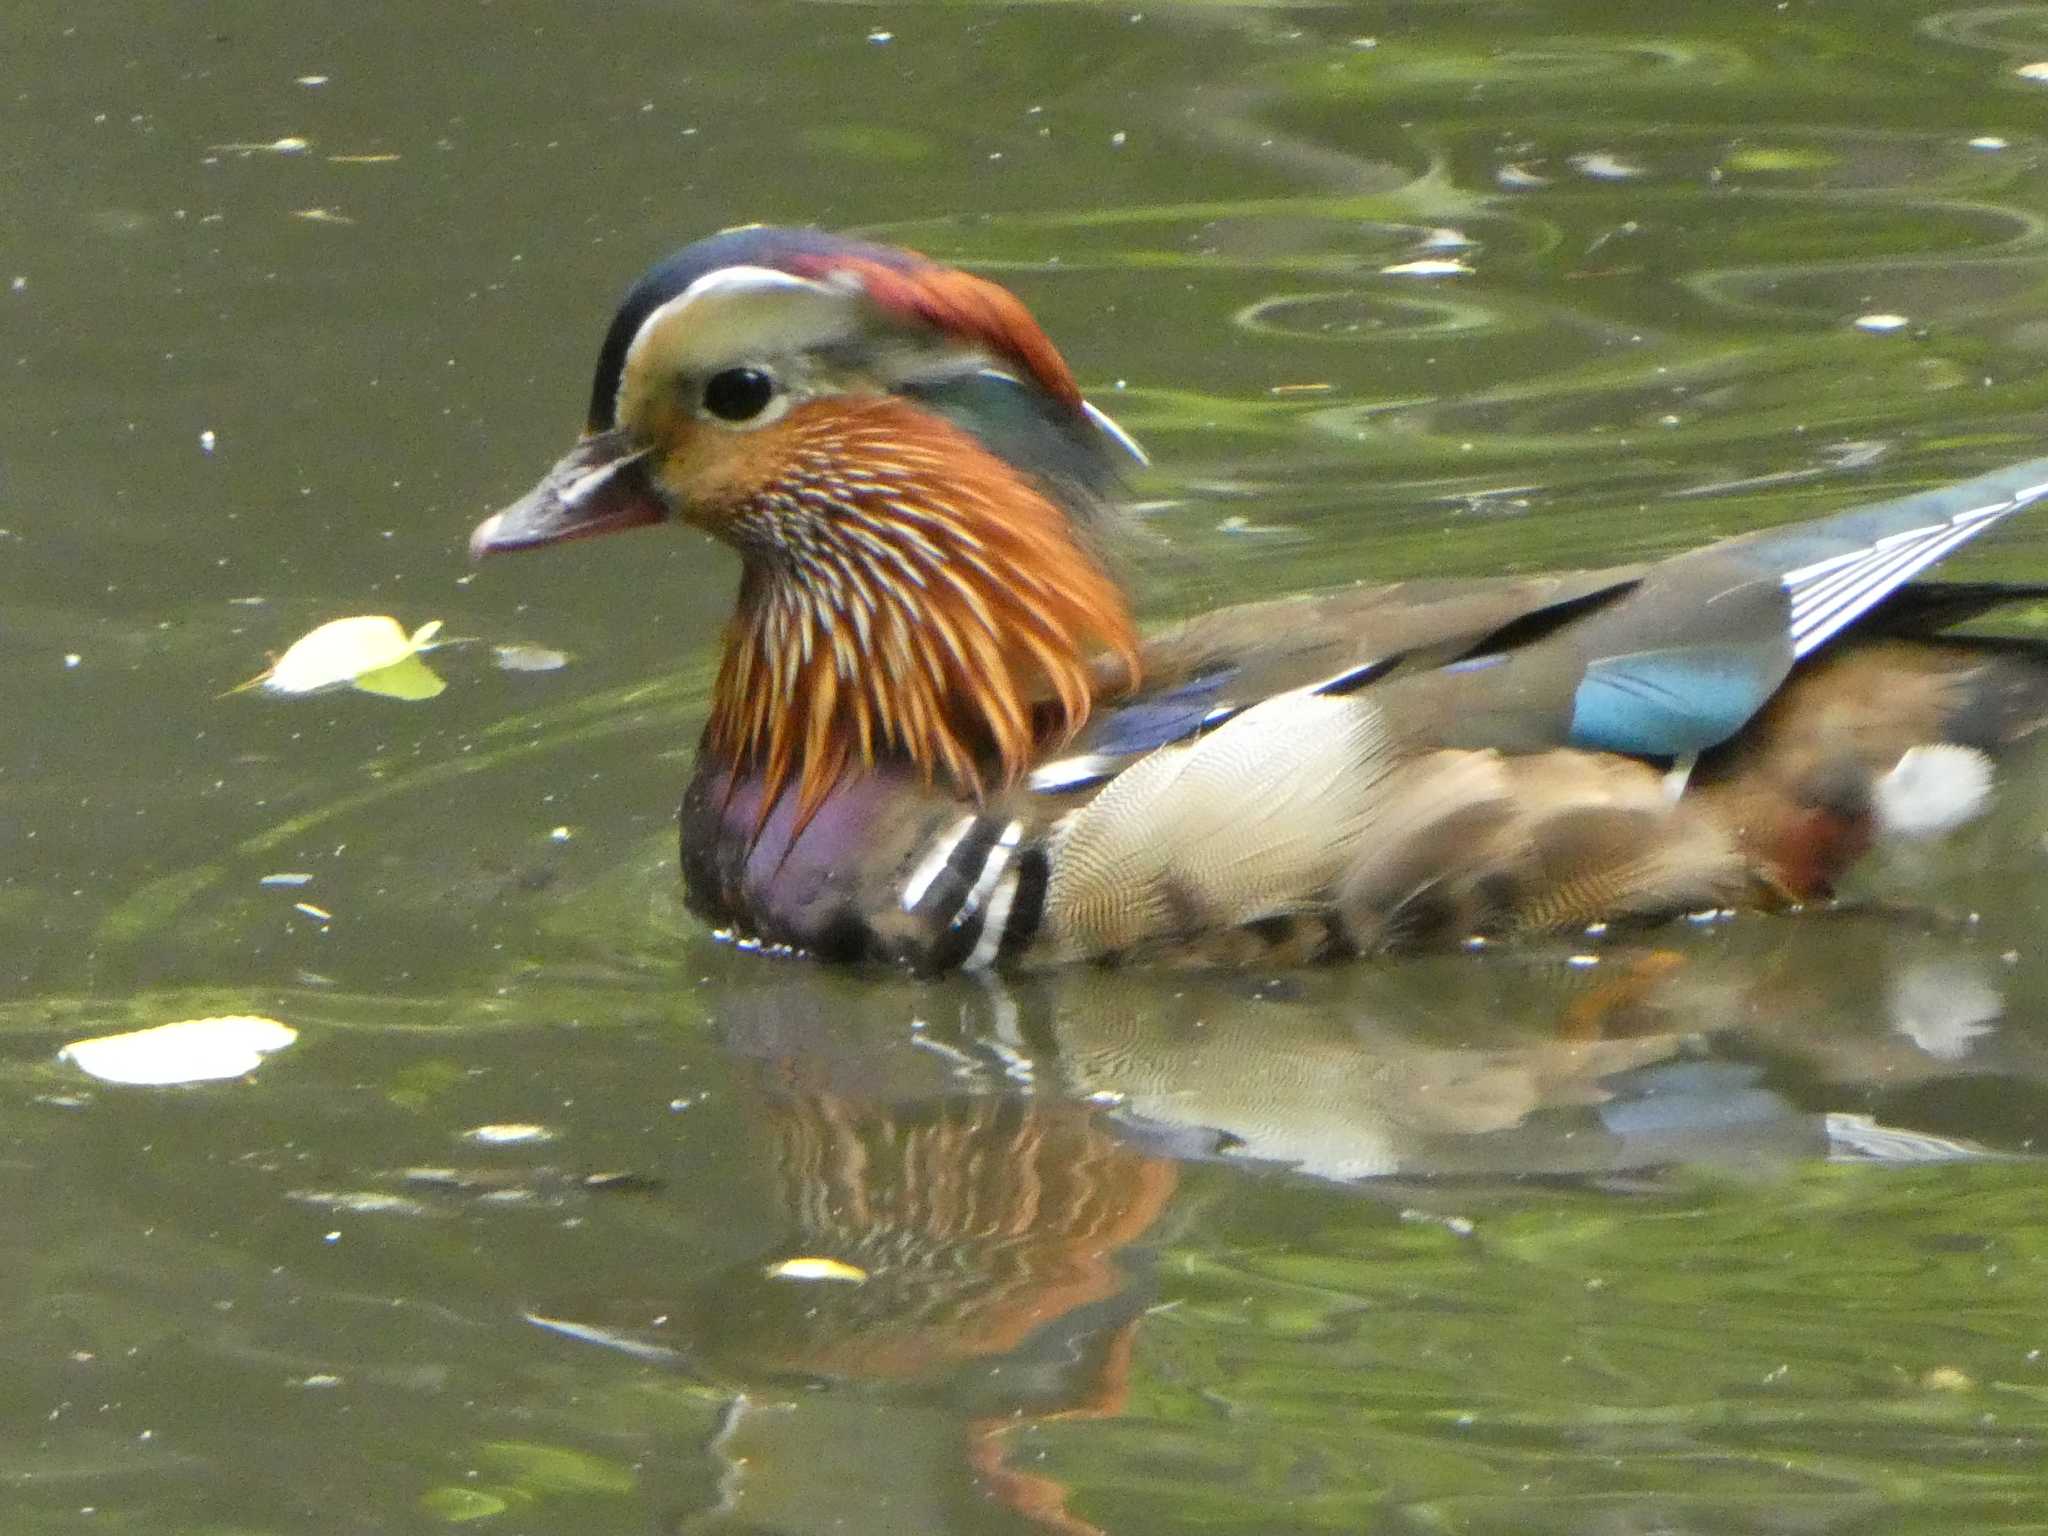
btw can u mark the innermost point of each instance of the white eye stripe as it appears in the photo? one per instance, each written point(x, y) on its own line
point(727, 315)
point(736, 310)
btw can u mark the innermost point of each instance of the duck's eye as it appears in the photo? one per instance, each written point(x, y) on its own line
point(739, 394)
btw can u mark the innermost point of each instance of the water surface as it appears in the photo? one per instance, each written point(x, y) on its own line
point(1731, 1227)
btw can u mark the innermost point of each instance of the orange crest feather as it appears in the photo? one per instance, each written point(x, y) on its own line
point(967, 307)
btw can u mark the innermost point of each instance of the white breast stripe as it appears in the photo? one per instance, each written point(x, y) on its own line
point(928, 868)
point(992, 869)
point(992, 930)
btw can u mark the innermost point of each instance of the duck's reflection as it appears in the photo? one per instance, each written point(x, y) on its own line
point(966, 1178)
point(962, 1228)
point(968, 1248)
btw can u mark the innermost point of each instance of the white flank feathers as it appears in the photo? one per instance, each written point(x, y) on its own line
point(1254, 819)
point(1933, 789)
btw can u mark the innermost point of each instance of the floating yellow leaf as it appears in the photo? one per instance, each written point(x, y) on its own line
point(190, 1051)
point(817, 1269)
point(408, 679)
point(371, 652)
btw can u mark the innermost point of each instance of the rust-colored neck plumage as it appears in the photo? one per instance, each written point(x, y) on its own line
point(907, 594)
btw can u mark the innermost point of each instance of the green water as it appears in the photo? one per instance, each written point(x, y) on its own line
point(1596, 1239)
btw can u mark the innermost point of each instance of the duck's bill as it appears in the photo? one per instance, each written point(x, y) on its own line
point(600, 486)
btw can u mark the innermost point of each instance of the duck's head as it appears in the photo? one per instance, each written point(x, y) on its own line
point(910, 474)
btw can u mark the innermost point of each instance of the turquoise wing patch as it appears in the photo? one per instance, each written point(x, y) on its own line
point(1668, 703)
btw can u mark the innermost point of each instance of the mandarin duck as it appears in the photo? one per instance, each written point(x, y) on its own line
point(936, 737)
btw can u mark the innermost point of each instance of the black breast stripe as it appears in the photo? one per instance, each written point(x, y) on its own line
point(1027, 908)
point(948, 891)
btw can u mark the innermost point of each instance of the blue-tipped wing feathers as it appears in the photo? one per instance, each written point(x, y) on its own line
point(1709, 636)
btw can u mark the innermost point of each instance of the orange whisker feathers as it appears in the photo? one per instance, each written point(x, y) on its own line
point(908, 594)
